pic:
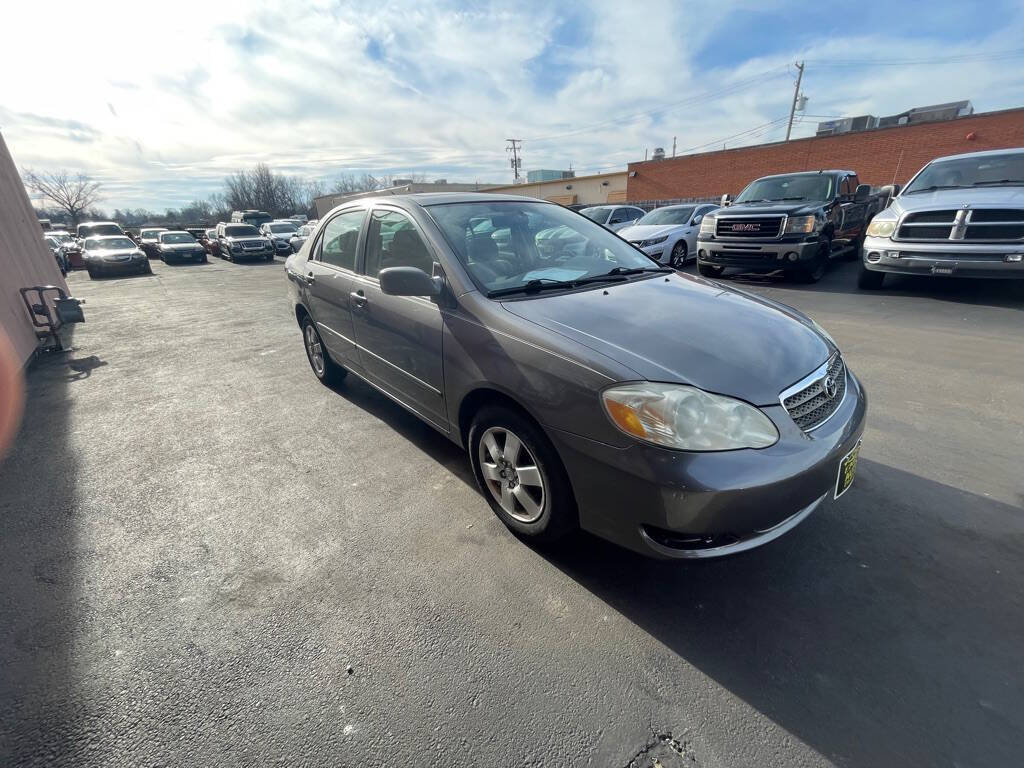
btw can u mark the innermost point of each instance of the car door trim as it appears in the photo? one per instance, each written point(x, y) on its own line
point(341, 336)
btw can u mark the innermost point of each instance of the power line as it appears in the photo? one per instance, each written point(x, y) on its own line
point(955, 59)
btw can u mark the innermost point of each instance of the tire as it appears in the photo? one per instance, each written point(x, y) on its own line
point(677, 259)
point(549, 512)
point(270, 257)
point(93, 274)
point(147, 269)
point(325, 369)
point(817, 268)
point(869, 280)
point(203, 259)
point(710, 270)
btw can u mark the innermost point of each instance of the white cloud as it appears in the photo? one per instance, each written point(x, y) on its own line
point(161, 105)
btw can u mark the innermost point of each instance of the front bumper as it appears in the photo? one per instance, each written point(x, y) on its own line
point(943, 259)
point(121, 266)
point(761, 256)
point(282, 246)
point(656, 251)
point(680, 505)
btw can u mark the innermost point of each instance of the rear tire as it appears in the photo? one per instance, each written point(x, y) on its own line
point(325, 369)
point(869, 280)
point(710, 270)
point(540, 506)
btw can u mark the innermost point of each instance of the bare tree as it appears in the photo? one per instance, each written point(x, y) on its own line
point(73, 194)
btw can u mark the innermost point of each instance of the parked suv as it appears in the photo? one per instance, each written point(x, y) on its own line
point(242, 241)
point(794, 222)
point(615, 217)
point(960, 216)
point(578, 408)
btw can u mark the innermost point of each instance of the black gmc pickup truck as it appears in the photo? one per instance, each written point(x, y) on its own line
point(794, 222)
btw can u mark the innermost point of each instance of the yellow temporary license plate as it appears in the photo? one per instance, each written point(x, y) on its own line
point(847, 469)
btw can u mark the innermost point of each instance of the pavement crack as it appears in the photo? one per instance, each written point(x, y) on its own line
point(656, 747)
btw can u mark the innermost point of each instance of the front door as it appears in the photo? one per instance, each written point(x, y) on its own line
point(399, 337)
point(329, 272)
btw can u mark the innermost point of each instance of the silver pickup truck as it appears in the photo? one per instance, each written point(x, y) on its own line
point(960, 216)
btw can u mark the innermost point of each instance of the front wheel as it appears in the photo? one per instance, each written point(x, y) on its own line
point(814, 271)
point(93, 274)
point(147, 269)
point(521, 475)
point(677, 259)
point(710, 270)
point(869, 280)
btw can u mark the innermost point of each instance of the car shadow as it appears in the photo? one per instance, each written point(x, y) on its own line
point(885, 630)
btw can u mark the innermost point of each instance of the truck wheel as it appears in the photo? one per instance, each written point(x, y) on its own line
point(521, 475)
point(814, 271)
point(710, 270)
point(869, 280)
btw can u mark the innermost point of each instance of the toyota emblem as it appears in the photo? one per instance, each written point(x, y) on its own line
point(830, 387)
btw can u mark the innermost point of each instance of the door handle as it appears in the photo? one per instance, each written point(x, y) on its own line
point(358, 298)
point(310, 278)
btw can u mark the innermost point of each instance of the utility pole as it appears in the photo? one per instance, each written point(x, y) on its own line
point(796, 94)
point(516, 161)
point(673, 146)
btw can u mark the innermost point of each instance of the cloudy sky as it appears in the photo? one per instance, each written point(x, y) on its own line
point(160, 101)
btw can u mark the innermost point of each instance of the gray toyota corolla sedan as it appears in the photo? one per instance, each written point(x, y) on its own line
point(537, 340)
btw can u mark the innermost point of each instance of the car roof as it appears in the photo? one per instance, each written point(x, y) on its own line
point(826, 171)
point(984, 153)
point(441, 198)
point(94, 223)
point(175, 232)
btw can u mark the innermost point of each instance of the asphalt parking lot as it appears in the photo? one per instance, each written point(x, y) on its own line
point(211, 559)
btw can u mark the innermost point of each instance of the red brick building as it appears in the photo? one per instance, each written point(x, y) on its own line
point(880, 156)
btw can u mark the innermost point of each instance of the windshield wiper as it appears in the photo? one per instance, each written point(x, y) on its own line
point(631, 271)
point(532, 286)
point(934, 187)
point(998, 181)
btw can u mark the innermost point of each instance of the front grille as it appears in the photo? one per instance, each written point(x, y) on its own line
point(752, 226)
point(254, 245)
point(812, 405)
point(982, 224)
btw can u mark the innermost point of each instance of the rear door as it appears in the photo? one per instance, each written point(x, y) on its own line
point(329, 272)
point(399, 337)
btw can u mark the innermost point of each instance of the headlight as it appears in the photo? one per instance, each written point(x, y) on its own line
point(801, 225)
point(707, 225)
point(653, 241)
point(687, 418)
point(881, 227)
point(236, 246)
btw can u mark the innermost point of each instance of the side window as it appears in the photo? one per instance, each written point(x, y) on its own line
point(620, 215)
point(846, 188)
point(635, 213)
point(392, 241)
point(340, 238)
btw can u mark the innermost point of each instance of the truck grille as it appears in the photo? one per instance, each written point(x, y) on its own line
point(812, 405)
point(752, 226)
point(983, 224)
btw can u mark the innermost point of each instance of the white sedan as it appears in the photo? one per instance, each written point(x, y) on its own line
point(669, 234)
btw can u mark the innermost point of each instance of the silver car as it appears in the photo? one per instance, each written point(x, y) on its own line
point(535, 339)
point(615, 217)
point(960, 216)
point(668, 234)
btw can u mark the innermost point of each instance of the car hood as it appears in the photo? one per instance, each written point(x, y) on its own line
point(958, 198)
point(771, 209)
point(112, 252)
point(688, 330)
point(647, 231)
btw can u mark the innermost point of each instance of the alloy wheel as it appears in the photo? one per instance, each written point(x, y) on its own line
point(314, 349)
point(511, 474)
point(677, 258)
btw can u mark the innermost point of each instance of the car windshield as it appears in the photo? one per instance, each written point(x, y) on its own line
point(98, 230)
point(801, 186)
point(597, 213)
point(670, 215)
point(113, 244)
point(282, 228)
point(211, 233)
point(150, 234)
point(64, 237)
point(994, 170)
point(508, 245)
point(176, 238)
point(240, 230)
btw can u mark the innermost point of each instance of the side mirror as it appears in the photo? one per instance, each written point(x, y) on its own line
point(862, 194)
point(726, 200)
point(697, 219)
point(408, 281)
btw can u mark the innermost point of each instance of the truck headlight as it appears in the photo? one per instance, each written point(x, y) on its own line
point(686, 418)
point(881, 227)
point(802, 225)
point(707, 225)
